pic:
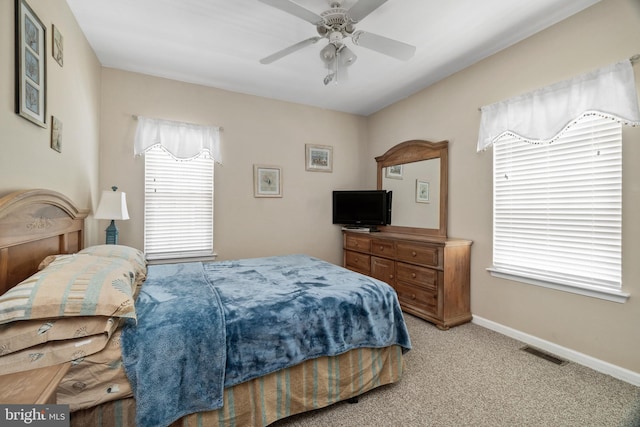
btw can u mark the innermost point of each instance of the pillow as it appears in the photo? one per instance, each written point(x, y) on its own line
point(16, 336)
point(133, 255)
point(56, 352)
point(98, 378)
point(77, 285)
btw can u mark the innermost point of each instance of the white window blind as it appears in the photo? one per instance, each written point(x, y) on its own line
point(178, 206)
point(558, 206)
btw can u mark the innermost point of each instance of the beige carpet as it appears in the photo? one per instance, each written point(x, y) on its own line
point(472, 376)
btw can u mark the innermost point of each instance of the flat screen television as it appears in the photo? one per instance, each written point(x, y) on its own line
point(362, 208)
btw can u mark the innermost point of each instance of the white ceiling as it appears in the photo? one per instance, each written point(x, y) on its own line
point(219, 43)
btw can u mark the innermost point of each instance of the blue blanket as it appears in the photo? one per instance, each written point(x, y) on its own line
point(276, 312)
point(175, 355)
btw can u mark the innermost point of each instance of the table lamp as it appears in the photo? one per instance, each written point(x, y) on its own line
point(113, 205)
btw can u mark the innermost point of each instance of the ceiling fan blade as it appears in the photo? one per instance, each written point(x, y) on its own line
point(361, 9)
point(286, 51)
point(296, 10)
point(387, 46)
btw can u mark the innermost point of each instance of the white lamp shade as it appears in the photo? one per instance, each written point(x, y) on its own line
point(113, 205)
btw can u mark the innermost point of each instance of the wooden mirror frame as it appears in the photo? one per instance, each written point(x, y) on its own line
point(415, 151)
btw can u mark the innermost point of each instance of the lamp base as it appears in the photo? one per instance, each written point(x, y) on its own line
point(112, 234)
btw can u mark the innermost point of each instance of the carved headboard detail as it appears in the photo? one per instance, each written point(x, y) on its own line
point(33, 225)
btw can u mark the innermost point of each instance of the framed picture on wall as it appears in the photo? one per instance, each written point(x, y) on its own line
point(57, 48)
point(318, 158)
point(31, 68)
point(267, 181)
point(56, 134)
point(422, 191)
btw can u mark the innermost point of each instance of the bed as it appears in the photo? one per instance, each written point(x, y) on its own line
point(277, 335)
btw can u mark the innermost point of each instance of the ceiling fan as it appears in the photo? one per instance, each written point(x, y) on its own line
point(337, 25)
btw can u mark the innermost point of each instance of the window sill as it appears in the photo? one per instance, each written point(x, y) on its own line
point(175, 260)
point(595, 292)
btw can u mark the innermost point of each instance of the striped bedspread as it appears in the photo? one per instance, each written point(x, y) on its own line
point(313, 384)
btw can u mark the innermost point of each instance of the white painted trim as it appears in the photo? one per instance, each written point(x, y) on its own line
point(618, 372)
point(593, 291)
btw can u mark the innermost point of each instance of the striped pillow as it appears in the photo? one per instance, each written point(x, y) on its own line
point(58, 351)
point(133, 255)
point(16, 336)
point(78, 285)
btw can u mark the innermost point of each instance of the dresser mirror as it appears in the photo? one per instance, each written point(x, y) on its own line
point(416, 171)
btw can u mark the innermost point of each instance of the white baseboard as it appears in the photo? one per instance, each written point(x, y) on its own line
point(596, 364)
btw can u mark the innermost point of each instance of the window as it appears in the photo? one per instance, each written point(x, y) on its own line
point(558, 209)
point(178, 213)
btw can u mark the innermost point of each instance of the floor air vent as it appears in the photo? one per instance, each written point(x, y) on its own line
point(541, 354)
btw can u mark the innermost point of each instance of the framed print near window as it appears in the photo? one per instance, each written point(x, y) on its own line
point(422, 191)
point(31, 69)
point(318, 158)
point(267, 181)
point(394, 172)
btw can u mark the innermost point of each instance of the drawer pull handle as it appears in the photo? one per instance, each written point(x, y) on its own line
point(413, 253)
point(355, 260)
point(413, 296)
point(413, 275)
point(357, 244)
point(381, 248)
point(391, 276)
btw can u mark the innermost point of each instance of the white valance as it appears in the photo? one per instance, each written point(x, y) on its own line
point(182, 140)
point(542, 115)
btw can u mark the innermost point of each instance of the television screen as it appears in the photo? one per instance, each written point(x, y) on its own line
point(362, 207)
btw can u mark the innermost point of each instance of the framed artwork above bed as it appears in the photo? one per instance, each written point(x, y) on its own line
point(31, 65)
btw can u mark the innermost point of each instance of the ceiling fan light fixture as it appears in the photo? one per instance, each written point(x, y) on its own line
point(328, 53)
point(346, 55)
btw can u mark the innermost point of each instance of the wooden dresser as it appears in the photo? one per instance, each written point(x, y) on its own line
point(429, 274)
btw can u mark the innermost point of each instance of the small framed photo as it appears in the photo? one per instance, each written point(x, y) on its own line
point(422, 191)
point(318, 158)
point(31, 69)
point(267, 181)
point(56, 134)
point(393, 172)
point(57, 50)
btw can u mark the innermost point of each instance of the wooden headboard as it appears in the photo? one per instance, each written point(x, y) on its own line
point(33, 225)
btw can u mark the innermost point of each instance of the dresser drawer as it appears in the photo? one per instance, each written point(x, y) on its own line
point(416, 298)
point(358, 262)
point(384, 248)
point(357, 243)
point(419, 254)
point(383, 269)
point(420, 276)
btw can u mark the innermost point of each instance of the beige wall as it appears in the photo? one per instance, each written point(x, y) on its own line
point(255, 131)
point(603, 34)
point(26, 159)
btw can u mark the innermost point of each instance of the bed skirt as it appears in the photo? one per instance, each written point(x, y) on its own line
point(310, 385)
